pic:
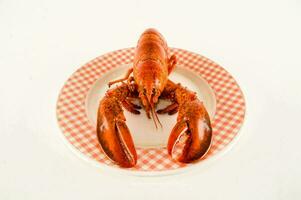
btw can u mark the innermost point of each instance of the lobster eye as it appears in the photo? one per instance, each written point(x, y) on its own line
point(154, 91)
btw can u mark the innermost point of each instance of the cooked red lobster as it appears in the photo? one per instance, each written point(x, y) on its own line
point(148, 81)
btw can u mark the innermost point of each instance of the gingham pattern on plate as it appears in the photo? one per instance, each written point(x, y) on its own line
point(81, 134)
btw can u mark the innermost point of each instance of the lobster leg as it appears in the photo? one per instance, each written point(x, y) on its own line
point(130, 107)
point(126, 77)
point(129, 101)
point(171, 109)
point(112, 132)
point(193, 123)
point(174, 111)
point(172, 63)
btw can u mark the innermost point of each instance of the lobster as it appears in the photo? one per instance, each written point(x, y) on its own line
point(148, 81)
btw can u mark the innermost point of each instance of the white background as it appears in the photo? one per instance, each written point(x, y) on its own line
point(43, 42)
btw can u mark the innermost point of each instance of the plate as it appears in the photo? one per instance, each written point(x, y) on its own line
point(78, 102)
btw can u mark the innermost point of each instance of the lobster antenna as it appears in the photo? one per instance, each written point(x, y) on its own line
point(154, 119)
point(155, 113)
point(155, 116)
point(152, 112)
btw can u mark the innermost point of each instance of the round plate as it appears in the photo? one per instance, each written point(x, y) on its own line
point(78, 102)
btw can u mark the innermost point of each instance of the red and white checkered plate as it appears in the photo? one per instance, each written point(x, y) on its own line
point(80, 133)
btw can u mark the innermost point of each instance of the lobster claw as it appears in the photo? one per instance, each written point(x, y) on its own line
point(192, 134)
point(114, 135)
